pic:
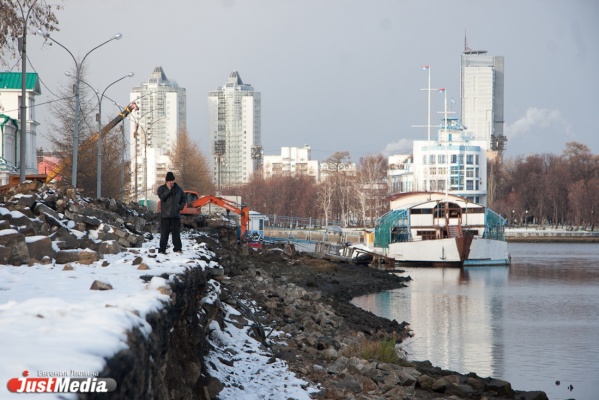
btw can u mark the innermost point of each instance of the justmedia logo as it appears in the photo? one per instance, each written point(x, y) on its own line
point(60, 384)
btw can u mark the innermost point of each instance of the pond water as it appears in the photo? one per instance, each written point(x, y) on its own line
point(532, 324)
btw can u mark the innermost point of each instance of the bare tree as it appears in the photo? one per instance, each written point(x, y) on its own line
point(337, 159)
point(190, 165)
point(342, 185)
point(18, 16)
point(114, 181)
point(61, 133)
point(371, 187)
point(325, 199)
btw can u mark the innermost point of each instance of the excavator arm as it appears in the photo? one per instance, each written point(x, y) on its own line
point(241, 210)
point(105, 129)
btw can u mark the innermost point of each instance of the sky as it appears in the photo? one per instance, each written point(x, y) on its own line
point(342, 75)
point(51, 322)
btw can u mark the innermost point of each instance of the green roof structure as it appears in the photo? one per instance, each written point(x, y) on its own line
point(12, 81)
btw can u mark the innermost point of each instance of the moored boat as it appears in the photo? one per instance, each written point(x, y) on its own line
point(439, 229)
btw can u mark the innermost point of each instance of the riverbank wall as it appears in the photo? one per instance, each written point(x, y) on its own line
point(550, 236)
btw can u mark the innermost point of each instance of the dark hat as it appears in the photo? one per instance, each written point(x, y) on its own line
point(170, 176)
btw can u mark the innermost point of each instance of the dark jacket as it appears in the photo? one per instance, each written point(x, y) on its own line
point(171, 201)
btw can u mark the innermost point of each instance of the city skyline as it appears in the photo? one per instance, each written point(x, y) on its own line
point(343, 83)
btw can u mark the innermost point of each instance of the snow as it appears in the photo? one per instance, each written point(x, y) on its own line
point(51, 322)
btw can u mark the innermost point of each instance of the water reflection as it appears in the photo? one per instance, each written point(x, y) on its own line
point(531, 324)
point(450, 311)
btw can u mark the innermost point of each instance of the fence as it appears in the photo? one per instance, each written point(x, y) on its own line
point(281, 221)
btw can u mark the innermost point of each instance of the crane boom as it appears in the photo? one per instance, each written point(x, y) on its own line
point(105, 129)
point(14, 179)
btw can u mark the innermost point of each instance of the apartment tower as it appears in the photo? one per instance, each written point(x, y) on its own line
point(155, 127)
point(234, 126)
point(482, 97)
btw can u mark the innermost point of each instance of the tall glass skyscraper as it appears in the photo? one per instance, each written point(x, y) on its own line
point(235, 129)
point(482, 97)
point(154, 129)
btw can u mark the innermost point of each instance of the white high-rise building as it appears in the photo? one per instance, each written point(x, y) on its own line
point(482, 95)
point(455, 163)
point(234, 125)
point(155, 127)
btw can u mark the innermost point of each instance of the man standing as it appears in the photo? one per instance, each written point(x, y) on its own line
point(172, 201)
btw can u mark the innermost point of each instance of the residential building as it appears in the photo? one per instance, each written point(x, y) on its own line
point(10, 120)
point(293, 161)
point(482, 97)
point(234, 125)
point(400, 173)
point(155, 126)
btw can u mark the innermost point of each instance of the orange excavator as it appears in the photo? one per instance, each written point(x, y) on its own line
point(193, 210)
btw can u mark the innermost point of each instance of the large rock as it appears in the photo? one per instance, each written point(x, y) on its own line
point(110, 247)
point(39, 247)
point(69, 239)
point(499, 387)
point(84, 256)
point(14, 242)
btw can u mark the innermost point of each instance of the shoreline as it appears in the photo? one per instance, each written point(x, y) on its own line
point(308, 299)
point(552, 239)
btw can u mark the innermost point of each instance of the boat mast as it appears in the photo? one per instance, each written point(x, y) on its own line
point(428, 125)
point(446, 140)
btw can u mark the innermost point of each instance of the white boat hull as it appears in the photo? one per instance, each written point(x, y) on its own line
point(450, 252)
point(488, 252)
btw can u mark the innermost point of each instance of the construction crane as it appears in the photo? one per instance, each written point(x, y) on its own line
point(93, 139)
point(14, 179)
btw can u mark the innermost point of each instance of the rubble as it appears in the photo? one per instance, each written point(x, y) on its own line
point(41, 223)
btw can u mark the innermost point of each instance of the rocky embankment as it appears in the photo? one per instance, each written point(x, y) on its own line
point(308, 300)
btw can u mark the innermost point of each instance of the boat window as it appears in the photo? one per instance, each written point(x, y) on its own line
point(399, 234)
point(414, 211)
point(427, 235)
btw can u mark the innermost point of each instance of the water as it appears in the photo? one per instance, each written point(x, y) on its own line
point(532, 324)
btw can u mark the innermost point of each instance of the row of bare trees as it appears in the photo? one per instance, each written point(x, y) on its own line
point(353, 199)
point(540, 188)
point(549, 189)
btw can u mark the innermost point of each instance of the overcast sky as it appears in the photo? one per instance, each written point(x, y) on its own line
point(343, 74)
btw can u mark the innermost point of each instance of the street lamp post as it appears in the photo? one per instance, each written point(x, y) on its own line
point(78, 66)
point(23, 105)
point(99, 119)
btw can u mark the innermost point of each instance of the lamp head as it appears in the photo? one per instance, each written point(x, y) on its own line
point(130, 74)
point(43, 33)
point(118, 36)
